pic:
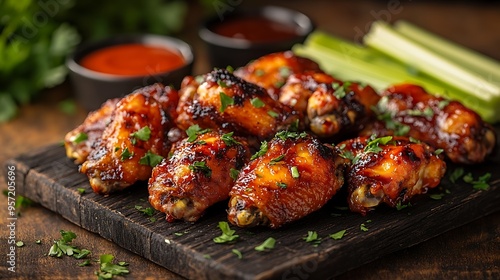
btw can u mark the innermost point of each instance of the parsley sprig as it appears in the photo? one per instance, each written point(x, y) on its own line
point(262, 151)
point(268, 244)
point(229, 140)
point(63, 247)
point(195, 130)
point(312, 237)
point(142, 134)
point(107, 269)
point(201, 166)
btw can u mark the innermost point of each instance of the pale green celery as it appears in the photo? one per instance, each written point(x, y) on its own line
point(475, 61)
point(382, 73)
point(382, 37)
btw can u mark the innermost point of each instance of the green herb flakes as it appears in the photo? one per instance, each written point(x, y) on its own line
point(150, 159)
point(80, 137)
point(276, 160)
point(227, 234)
point(268, 244)
point(126, 154)
point(195, 130)
point(142, 134)
point(237, 253)
point(338, 235)
point(262, 151)
point(295, 172)
point(108, 269)
point(281, 185)
point(229, 140)
point(312, 237)
point(233, 173)
point(225, 101)
point(201, 166)
point(272, 113)
point(257, 103)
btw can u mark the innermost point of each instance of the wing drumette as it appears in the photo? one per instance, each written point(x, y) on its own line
point(409, 110)
point(226, 102)
point(293, 176)
point(272, 70)
point(132, 143)
point(388, 170)
point(79, 141)
point(199, 173)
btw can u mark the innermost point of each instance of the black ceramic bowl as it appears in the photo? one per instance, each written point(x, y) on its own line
point(224, 50)
point(93, 88)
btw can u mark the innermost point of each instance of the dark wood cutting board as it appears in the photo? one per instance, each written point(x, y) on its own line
point(49, 178)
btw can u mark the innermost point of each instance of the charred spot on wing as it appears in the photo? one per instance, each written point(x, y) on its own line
point(410, 154)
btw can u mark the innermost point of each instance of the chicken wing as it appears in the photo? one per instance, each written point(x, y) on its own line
point(132, 143)
point(340, 108)
point(409, 110)
point(388, 170)
point(79, 141)
point(200, 172)
point(290, 177)
point(224, 101)
point(272, 70)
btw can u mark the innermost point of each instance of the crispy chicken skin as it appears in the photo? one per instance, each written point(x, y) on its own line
point(226, 102)
point(79, 141)
point(341, 108)
point(197, 175)
point(296, 176)
point(388, 172)
point(448, 125)
point(272, 70)
point(124, 155)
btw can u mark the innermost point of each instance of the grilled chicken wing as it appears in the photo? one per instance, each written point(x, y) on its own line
point(134, 141)
point(293, 176)
point(199, 173)
point(272, 70)
point(224, 101)
point(79, 141)
point(340, 108)
point(388, 170)
point(409, 110)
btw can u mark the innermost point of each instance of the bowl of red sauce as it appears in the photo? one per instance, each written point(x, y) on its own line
point(117, 66)
point(243, 35)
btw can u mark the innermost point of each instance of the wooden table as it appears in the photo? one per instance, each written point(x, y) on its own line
point(468, 252)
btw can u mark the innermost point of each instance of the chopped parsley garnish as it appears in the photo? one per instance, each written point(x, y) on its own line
point(63, 247)
point(126, 154)
point(427, 112)
point(268, 244)
point(437, 196)
point(259, 72)
point(438, 151)
point(276, 159)
point(284, 134)
point(19, 244)
point(400, 206)
point(387, 117)
point(272, 114)
point(257, 103)
point(295, 125)
point(225, 101)
point(108, 269)
point(229, 140)
point(284, 71)
point(148, 211)
point(233, 173)
point(227, 234)
point(142, 134)
point(295, 172)
point(338, 235)
point(363, 227)
point(38, 241)
point(80, 137)
point(480, 184)
point(81, 190)
point(195, 130)
point(201, 166)
point(457, 173)
point(84, 263)
point(414, 140)
point(281, 185)
point(279, 84)
point(312, 237)
point(237, 253)
point(230, 69)
point(341, 91)
point(150, 159)
point(262, 151)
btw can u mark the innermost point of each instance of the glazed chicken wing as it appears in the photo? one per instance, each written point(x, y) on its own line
point(409, 110)
point(340, 108)
point(79, 141)
point(199, 173)
point(132, 143)
point(272, 70)
point(292, 176)
point(224, 101)
point(388, 170)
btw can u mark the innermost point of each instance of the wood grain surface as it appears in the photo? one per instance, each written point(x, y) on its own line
point(471, 251)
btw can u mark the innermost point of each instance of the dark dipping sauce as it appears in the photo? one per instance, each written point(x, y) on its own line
point(255, 29)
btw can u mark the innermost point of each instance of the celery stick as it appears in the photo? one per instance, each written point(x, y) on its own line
point(381, 76)
point(473, 60)
point(385, 39)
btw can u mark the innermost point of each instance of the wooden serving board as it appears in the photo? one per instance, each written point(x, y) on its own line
point(49, 178)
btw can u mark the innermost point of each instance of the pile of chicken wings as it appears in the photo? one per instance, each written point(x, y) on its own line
point(262, 137)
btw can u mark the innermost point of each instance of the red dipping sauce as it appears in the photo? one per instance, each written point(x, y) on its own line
point(255, 29)
point(133, 60)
